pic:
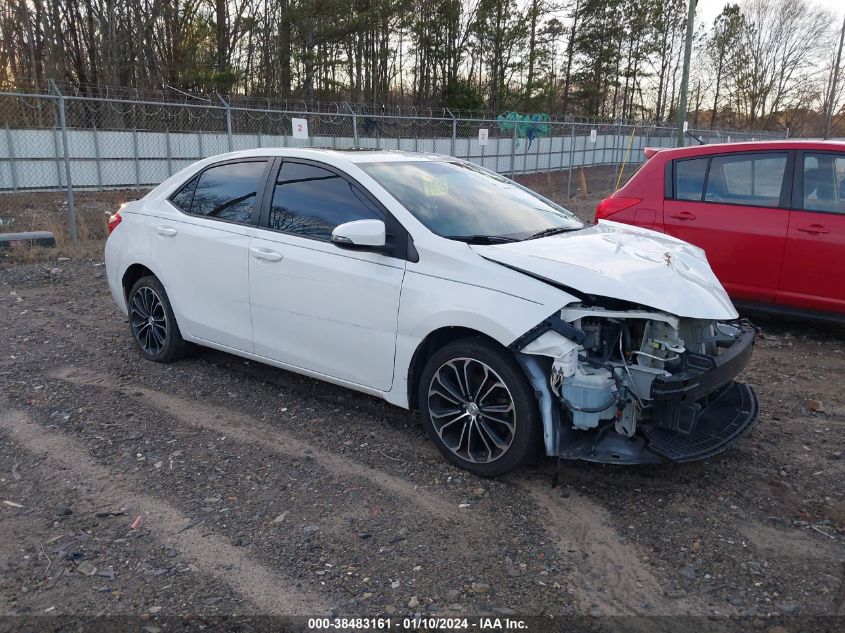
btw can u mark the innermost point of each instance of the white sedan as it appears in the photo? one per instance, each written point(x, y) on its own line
point(440, 286)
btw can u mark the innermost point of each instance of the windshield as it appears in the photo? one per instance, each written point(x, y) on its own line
point(462, 201)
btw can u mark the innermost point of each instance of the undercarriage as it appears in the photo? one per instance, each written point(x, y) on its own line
point(635, 386)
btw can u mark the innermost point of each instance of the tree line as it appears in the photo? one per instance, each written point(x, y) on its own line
point(761, 63)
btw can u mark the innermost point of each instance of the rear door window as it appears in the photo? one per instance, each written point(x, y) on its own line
point(224, 192)
point(185, 195)
point(824, 183)
point(689, 178)
point(749, 179)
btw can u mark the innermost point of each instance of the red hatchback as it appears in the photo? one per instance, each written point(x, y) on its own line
point(769, 215)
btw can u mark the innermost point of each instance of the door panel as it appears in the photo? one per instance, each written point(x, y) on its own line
point(744, 244)
point(315, 305)
point(325, 309)
point(731, 207)
point(204, 268)
point(200, 245)
point(814, 262)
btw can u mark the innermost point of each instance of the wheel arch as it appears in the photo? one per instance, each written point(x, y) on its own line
point(131, 275)
point(434, 341)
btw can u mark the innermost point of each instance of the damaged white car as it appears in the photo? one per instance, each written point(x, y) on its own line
point(443, 287)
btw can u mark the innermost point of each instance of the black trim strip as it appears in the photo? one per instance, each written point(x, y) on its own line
point(555, 324)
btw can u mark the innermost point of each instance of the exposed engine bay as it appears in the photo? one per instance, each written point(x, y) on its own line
point(638, 385)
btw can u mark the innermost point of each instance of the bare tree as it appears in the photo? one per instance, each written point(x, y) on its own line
point(781, 46)
point(764, 62)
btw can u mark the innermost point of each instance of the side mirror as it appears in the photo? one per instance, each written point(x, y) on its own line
point(364, 233)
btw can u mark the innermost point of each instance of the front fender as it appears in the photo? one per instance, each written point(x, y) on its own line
point(430, 303)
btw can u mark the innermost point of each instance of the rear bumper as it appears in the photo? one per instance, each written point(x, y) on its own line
point(114, 272)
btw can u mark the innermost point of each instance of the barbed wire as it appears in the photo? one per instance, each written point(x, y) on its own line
point(184, 111)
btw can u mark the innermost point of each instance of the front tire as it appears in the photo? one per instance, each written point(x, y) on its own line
point(479, 407)
point(153, 324)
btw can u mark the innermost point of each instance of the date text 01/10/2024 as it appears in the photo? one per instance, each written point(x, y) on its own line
point(418, 623)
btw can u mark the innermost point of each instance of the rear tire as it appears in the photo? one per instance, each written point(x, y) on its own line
point(479, 408)
point(152, 323)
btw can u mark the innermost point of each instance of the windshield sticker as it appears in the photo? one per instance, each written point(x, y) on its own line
point(435, 188)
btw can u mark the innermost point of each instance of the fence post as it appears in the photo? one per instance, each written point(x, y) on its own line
point(621, 145)
point(354, 124)
point(71, 211)
point(454, 132)
point(571, 160)
point(228, 121)
point(58, 156)
point(513, 151)
point(97, 157)
point(136, 156)
point(355, 130)
point(168, 150)
point(13, 169)
point(612, 160)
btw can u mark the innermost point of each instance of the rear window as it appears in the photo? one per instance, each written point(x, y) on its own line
point(689, 178)
point(749, 179)
point(824, 183)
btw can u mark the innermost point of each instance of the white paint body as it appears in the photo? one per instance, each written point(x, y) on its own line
point(355, 317)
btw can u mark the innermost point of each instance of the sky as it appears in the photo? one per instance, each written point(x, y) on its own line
point(707, 10)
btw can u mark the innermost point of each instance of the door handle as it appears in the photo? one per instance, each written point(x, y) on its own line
point(166, 231)
point(682, 215)
point(814, 229)
point(266, 254)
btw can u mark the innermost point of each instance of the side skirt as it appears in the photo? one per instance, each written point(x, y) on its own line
point(291, 368)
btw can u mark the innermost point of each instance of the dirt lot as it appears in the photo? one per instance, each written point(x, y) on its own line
point(218, 486)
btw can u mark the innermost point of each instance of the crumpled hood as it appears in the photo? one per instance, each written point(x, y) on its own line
point(623, 262)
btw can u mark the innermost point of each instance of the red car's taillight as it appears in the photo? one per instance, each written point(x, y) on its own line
point(114, 220)
point(611, 206)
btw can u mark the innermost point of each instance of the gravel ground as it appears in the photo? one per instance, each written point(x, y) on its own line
point(217, 486)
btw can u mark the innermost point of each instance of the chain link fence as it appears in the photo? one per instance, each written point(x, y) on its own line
point(73, 142)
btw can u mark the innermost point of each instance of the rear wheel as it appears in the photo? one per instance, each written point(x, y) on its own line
point(152, 323)
point(479, 408)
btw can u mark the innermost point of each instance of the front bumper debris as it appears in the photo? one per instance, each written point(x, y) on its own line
point(695, 413)
point(722, 420)
point(704, 375)
point(681, 399)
